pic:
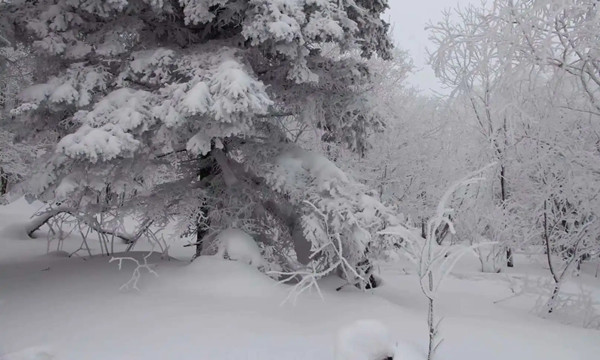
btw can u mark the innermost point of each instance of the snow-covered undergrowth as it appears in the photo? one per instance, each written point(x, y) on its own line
point(56, 307)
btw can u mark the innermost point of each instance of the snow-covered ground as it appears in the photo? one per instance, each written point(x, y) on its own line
point(56, 307)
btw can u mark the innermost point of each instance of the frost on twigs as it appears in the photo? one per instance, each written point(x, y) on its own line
point(339, 218)
point(309, 277)
point(140, 266)
point(578, 306)
point(425, 253)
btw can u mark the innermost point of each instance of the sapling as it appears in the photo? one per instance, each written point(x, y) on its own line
point(574, 238)
point(434, 262)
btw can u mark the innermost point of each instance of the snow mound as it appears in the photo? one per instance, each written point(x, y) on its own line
point(216, 277)
point(239, 246)
point(16, 215)
point(20, 208)
point(15, 231)
point(364, 340)
point(33, 353)
point(57, 254)
point(14, 242)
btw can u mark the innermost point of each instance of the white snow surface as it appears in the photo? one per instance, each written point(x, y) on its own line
point(364, 340)
point(70, 308)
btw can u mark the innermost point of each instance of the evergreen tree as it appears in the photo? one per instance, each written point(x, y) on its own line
point(177, 109)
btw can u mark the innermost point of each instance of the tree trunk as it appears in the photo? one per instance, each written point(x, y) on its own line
point(556, 279)
point(290, 216)
point(207, 167)
point(432, 331)
point(552, 300)
point(509, 256)
point(302, 247)
point(201, 231)
point(3, 182)
point(199, 235)
point(383, 179)
point(432, 346)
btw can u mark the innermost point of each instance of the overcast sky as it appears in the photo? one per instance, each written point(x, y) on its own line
point(408, 19)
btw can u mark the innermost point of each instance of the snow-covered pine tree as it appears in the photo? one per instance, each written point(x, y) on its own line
point(16, 157)
point(176, 109)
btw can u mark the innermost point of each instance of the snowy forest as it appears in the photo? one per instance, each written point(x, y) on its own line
point(260, 179)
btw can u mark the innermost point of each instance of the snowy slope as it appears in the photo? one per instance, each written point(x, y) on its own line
point(55, 307)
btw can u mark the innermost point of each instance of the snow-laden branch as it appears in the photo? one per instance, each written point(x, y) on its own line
point(89, 221)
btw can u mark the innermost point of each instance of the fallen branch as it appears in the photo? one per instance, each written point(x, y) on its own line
point(132, 283)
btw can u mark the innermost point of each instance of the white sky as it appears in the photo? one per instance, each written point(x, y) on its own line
point(408, 19)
